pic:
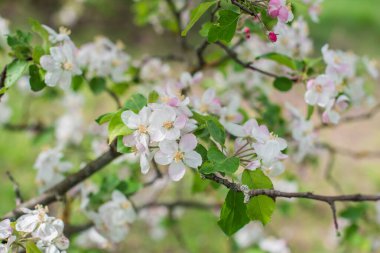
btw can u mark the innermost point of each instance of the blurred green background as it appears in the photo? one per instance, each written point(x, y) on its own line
point(344, 24)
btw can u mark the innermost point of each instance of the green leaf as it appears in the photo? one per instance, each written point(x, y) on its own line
point(128, 187)
point(354, 213)
point(281, 59)
point(14, 71)
point(38, 51)
point(35, 79)
point(97, 84)
point(77, 82)
point(196, 14)
point(153, 97)
point(205, 29)
point(310, 111)
point(200, 149)
point(233, 215)
point(283, 84)
point(117, 127)
point(37, 28)
point(218, 162)
point(226, 27)
point(216, 130)
point(31, 247)
point(136, 103)
point(259, 207)
point(121, 148)
point(20, 44)
point(105, 118)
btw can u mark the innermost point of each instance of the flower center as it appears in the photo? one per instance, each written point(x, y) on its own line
point(142, 129)
point(273, 136)
point(337, 60)
point(319, 88)
point(178, 156)
point(64, 30)
point(168, 124)
point(67, 66)
point(116, 62)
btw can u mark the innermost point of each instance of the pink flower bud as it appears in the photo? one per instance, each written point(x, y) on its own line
point(272, 36)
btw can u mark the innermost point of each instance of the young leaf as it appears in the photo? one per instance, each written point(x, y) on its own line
point(218, 162)
point(153, 97)
point(104, 118)
point(233, 215)
point(216, 130)
point(31, 247)
point(281, 59)
point(35, 79)
point(97, 85)
point(121, 148)
point(196, 14)
point(283, 84)
point(259, 207)
point(117, 127)
point(310, 111)
point(226, 27)
point(14, 71)
point(136, 103)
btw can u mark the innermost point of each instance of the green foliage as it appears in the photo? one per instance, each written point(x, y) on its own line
point(117, 127)
point(259, 207)
point(310, 111)
point(35, 79)
point(14, 71)
point(38, 52)
point(197, 13)
point(233, 215)
point(283, 60)
point(135, 103)
point(97, 85)
point(20, 44)
point(104, 118)
point(218, 162)
point(153, 97)
point(37, 28)
point(216, 130)
point(121, 148)
point(354, 213)
point(31, 247)
point(225, 29)
point(77, 82)
point(283, 84)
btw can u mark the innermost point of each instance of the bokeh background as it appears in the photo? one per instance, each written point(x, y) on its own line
point(345, 24)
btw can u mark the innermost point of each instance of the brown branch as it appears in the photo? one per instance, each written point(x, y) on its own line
point(16, 188)
point(248, 65)
point(330, 200)
point(177, 15)
point(35, 128)
point(114, 97)
point(58, 191)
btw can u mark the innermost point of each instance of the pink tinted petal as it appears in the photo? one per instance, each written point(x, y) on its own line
point(177, 171)
point(173, 134)
point(180, 122)
point(283, 14)
point(144, 164)
point(193, 159)
point(253, 165)
point(188, 142)
point(47, 63)
point(168, 147)
point(162, 158)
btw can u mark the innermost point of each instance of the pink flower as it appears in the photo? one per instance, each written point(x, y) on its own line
point(278, 9)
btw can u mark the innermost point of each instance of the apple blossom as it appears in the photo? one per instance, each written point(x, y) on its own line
point(279, 9)
point(50, 168)
point(5, 229)
point(250, 234)
point(61, 65)
point(187, 80)
point(320, 90)
point(91, 238)
point(208, 103)
point(333, 108)
point(273, 245)
point(339, 64)
point(113, 217)
point(178, 155)
point(372, 67)
point(62, 36)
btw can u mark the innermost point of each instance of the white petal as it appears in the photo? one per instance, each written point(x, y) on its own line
point(130, 119)
point(47, 63)
point(163, 158)
point(177, 171)
point(193, 159)
point(188, 142)
point(168, 147)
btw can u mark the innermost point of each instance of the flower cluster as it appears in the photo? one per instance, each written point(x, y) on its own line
point(102, 58)
point(338, 86)
point(113, 218)
point(50, 168)
point(61, 64)
point(34, 226)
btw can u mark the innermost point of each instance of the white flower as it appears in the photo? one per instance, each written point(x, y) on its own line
point(178, 155)
point(249, 234)
point(339, 63)
point(60, 65)
point(90, 239)
point(141, 150)
point(320, 91)
point(186, 80)
point(140, 123)
point(30, 221)
point(166, 124)
point(333, 108)
point(5, 248)
point(209, 102)
point(113, 217)
point(53, 244)
point(50, 168)
point(273, 245)
point(5, 229)
point(154, 217)
point(62, 36)
point(154, 70)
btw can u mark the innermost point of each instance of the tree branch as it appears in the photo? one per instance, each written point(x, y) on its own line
point(16, 188)
point(56, 192)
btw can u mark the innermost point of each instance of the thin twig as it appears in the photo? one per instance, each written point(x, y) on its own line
point(114, 97)
point(16, 188)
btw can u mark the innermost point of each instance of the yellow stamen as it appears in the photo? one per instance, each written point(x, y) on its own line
point(178, 156)
point(67, 66)
point(168, 124)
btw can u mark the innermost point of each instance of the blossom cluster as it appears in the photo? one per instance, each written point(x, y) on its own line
point(34, 226)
